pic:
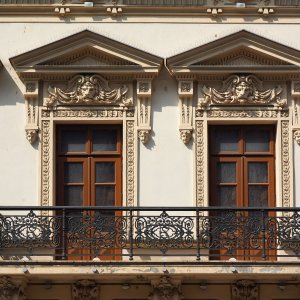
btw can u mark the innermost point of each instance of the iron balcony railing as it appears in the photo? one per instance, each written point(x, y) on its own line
point(135, 232)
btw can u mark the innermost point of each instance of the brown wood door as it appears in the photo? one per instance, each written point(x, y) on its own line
point(241, 176)
point(89, 166)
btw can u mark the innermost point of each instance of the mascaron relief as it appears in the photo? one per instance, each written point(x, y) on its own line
point(297, 136)
point(242, 90)
point(88, 90)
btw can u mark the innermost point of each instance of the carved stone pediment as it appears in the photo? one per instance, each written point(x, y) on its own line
point(241, 52)
point(88, 56)
point(242, 90)
point(243, 56)
point(88, 90)
point(86, 52)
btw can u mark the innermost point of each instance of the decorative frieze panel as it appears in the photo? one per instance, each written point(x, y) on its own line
point(185, 92)
point(240, 91)
point(200, 158)
point(85, 290)
point(88, 90)
point(245, 290)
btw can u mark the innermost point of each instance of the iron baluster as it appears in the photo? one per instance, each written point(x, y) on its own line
point(198, 233)
point(64, 234)
point(131, 235)
point(263, 230)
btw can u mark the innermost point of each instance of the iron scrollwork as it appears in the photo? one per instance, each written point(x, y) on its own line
point(164, 232)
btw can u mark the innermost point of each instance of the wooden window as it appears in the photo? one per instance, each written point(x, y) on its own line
point(89, 163)
point(242, 162)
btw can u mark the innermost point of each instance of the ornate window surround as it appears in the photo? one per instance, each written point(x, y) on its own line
point(211, 70)
point(87, 78)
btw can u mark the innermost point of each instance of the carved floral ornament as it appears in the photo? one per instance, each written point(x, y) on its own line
point(88, 90)
point(241, 90)
point(85, 290)
point(10, 290)
point(165, 289)
point(245, 290)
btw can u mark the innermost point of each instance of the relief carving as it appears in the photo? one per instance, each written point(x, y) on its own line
point(245, 290)
point(31, 135)
point(242, 90)
point(165, 289)
point(10, 290)
point(88, 90)
point(144, 135)
point(297, 136)
point(185, 135)
point(200, 175)
point(85, 290)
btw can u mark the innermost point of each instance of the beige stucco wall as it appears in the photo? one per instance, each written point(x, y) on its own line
point(165, 169)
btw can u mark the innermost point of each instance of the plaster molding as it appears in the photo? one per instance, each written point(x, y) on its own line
point(241, 90)
point(31, 107)
point(245, 290)
point(88, 90)
point(85, 290)
point(185, 93)
point(250, 113)
point(165, 288)
point(286, 168)
point(200, 158)
point(295, 92)
point(144, 91)
point(11, 290)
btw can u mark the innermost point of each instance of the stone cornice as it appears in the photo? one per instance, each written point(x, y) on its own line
point(274, 9)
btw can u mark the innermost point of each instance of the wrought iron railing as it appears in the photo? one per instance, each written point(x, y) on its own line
point(133, 232)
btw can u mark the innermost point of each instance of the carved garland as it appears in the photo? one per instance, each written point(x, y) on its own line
point(285, 161)
point(199, 163)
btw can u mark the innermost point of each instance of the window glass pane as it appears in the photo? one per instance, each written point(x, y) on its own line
point(258, 172)
point(225, 139)
point(257, 140)
point(258, 196)
point(226, 172)
point(105, 195)
point(104, 140)
point(73, 140)
point(226, 196)
point(73, 195)
point(73, 172)
point(105, 172)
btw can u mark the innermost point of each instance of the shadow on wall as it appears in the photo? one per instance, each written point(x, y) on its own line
point(10, 93)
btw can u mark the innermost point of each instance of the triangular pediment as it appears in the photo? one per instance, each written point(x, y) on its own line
point(240, 52)
point(86, 56)
point(86, 52)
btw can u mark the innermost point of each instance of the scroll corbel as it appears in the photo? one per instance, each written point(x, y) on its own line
point(144, 110)
point(185, 92)
point(32, 111)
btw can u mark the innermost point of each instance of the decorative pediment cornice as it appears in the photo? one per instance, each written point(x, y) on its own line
point(86, 52)
point(241, 52)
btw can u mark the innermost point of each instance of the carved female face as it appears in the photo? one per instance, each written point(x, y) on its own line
point(242, 90)
point(88, 90)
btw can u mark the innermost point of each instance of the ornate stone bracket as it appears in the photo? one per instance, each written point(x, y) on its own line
point(165, 288)
point(185, 92)
point(244, 290)
point(10, 290)
point(241, 90)
point(88, 90)
point(295, 92)
point(32, 111)
point(85, 290)
point(144, 110)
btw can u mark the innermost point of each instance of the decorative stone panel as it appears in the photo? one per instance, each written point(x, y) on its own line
point(245, 290)
point(85, 290)
point(165, 288)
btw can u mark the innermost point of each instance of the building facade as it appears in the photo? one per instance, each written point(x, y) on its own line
point(150, 150)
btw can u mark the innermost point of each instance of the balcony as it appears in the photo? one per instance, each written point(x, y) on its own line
point(149, 233)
